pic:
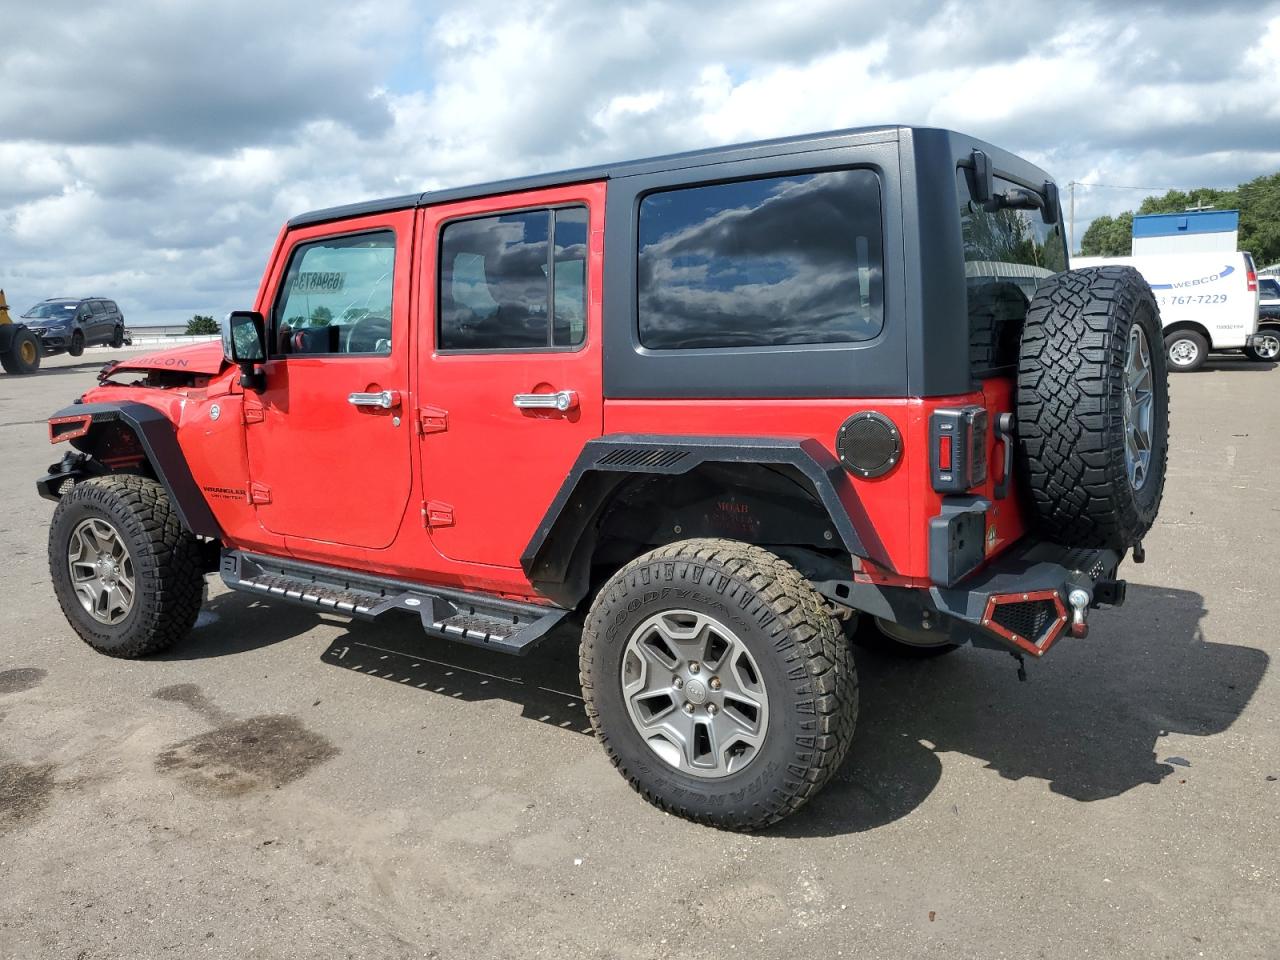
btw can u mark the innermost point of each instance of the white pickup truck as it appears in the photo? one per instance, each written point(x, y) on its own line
point(1208, 301)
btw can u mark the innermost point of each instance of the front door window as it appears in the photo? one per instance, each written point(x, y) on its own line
point(336, 297)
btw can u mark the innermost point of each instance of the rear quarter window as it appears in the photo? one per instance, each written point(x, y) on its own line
point(1007, 254)
point(762, 262)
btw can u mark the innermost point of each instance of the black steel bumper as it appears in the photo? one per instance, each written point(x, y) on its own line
point(1021, 601)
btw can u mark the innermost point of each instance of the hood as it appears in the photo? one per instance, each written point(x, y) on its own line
point(204, 359)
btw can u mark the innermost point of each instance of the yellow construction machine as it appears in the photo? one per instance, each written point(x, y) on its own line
point(19, 348)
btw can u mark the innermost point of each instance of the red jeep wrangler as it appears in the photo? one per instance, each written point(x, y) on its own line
point(721, 403)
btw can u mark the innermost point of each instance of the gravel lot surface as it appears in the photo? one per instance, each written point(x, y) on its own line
point(288, 784)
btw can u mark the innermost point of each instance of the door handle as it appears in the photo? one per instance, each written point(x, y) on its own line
point(563, 400)
point(386, 399)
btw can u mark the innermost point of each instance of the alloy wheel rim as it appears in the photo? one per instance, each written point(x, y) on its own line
point(1269, 349)
point(695, 693)
point(1139, 406)
point(101, 571)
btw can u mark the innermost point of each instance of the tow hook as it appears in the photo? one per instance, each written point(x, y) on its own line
point(1079, 599)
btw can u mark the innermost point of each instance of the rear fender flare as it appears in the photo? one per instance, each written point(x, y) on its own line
point(159, 441)
point(608, 461)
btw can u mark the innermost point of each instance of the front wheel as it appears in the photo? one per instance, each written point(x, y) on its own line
point(126, 574)
point(1186, 351)
point(1268, 346)
point(77, 344)
point(717, 682)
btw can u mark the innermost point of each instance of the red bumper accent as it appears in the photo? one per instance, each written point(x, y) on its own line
point(1047, 633)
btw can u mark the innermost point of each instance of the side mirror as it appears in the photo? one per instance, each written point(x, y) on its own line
point(244, 342)
point(982, 186)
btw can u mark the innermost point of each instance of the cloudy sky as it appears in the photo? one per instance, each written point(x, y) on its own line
point(150, 151)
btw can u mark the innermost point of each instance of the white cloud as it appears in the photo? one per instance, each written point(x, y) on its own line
point(151, 152)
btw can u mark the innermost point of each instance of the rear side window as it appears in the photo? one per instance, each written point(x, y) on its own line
point(1007, 255)
point(98, 307)
point(514, 281)
point(764, 262)
point(336, 296)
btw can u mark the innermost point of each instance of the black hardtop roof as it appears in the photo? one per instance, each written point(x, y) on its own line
point(608, 171)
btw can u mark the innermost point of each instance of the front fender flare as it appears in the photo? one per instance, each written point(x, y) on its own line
point(159, 440)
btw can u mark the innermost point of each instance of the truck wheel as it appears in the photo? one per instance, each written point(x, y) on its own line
point(126, 574)
point(717, 682)
point(1185, 350)
point(1268, 348)
point(23, 355)
point(1093, 408)
point(77, 344)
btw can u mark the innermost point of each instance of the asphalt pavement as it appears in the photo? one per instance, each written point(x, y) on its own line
point(289, 784)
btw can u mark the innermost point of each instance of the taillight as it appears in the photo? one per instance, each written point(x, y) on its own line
point(958, 448)
point(1251, 278)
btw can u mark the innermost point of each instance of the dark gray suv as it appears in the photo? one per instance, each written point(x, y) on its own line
point(68, 325)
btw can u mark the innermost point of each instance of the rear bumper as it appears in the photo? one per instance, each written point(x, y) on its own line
point(1021, 601)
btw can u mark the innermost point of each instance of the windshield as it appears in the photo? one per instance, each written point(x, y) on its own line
point(46, 311)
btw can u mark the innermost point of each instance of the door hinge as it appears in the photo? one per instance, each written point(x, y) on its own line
point(432, 420)
point(259, 493)
point(436, 514)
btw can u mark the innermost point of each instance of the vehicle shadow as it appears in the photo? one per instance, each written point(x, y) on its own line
point(545, 685)
point(1238, 364)
point(1088, 722)
point(234, 623)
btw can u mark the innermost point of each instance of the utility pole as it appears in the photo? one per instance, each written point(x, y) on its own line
point(1071, 229)
point(1200, 206)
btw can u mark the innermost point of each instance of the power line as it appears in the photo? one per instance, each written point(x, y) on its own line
point(1117, 186)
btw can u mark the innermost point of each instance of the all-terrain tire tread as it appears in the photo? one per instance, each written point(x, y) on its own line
point(819, 646)
point(168, 572)
point(1069, 407)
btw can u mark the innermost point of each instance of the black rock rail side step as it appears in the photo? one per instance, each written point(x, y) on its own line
point(474, 618)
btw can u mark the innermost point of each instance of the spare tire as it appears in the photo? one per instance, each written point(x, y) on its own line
point(1093, 408)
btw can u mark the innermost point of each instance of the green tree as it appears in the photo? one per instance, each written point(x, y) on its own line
point(321, 317)
point(201, 324)
point(1258, 202)
point(1108, 237)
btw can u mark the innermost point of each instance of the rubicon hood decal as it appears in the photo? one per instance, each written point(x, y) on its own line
point(1225, 271)
point(200, 358)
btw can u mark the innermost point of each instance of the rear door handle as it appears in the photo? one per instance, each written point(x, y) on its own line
point(562, 400)
point(386, 399)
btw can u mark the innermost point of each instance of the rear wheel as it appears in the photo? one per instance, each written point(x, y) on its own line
point(1268, 346)
point(126, 574)
point(717, 682)
point(77, 344)
point(117, 338)
point(1185, 350)
point(23, 355)
point(1093, 408)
